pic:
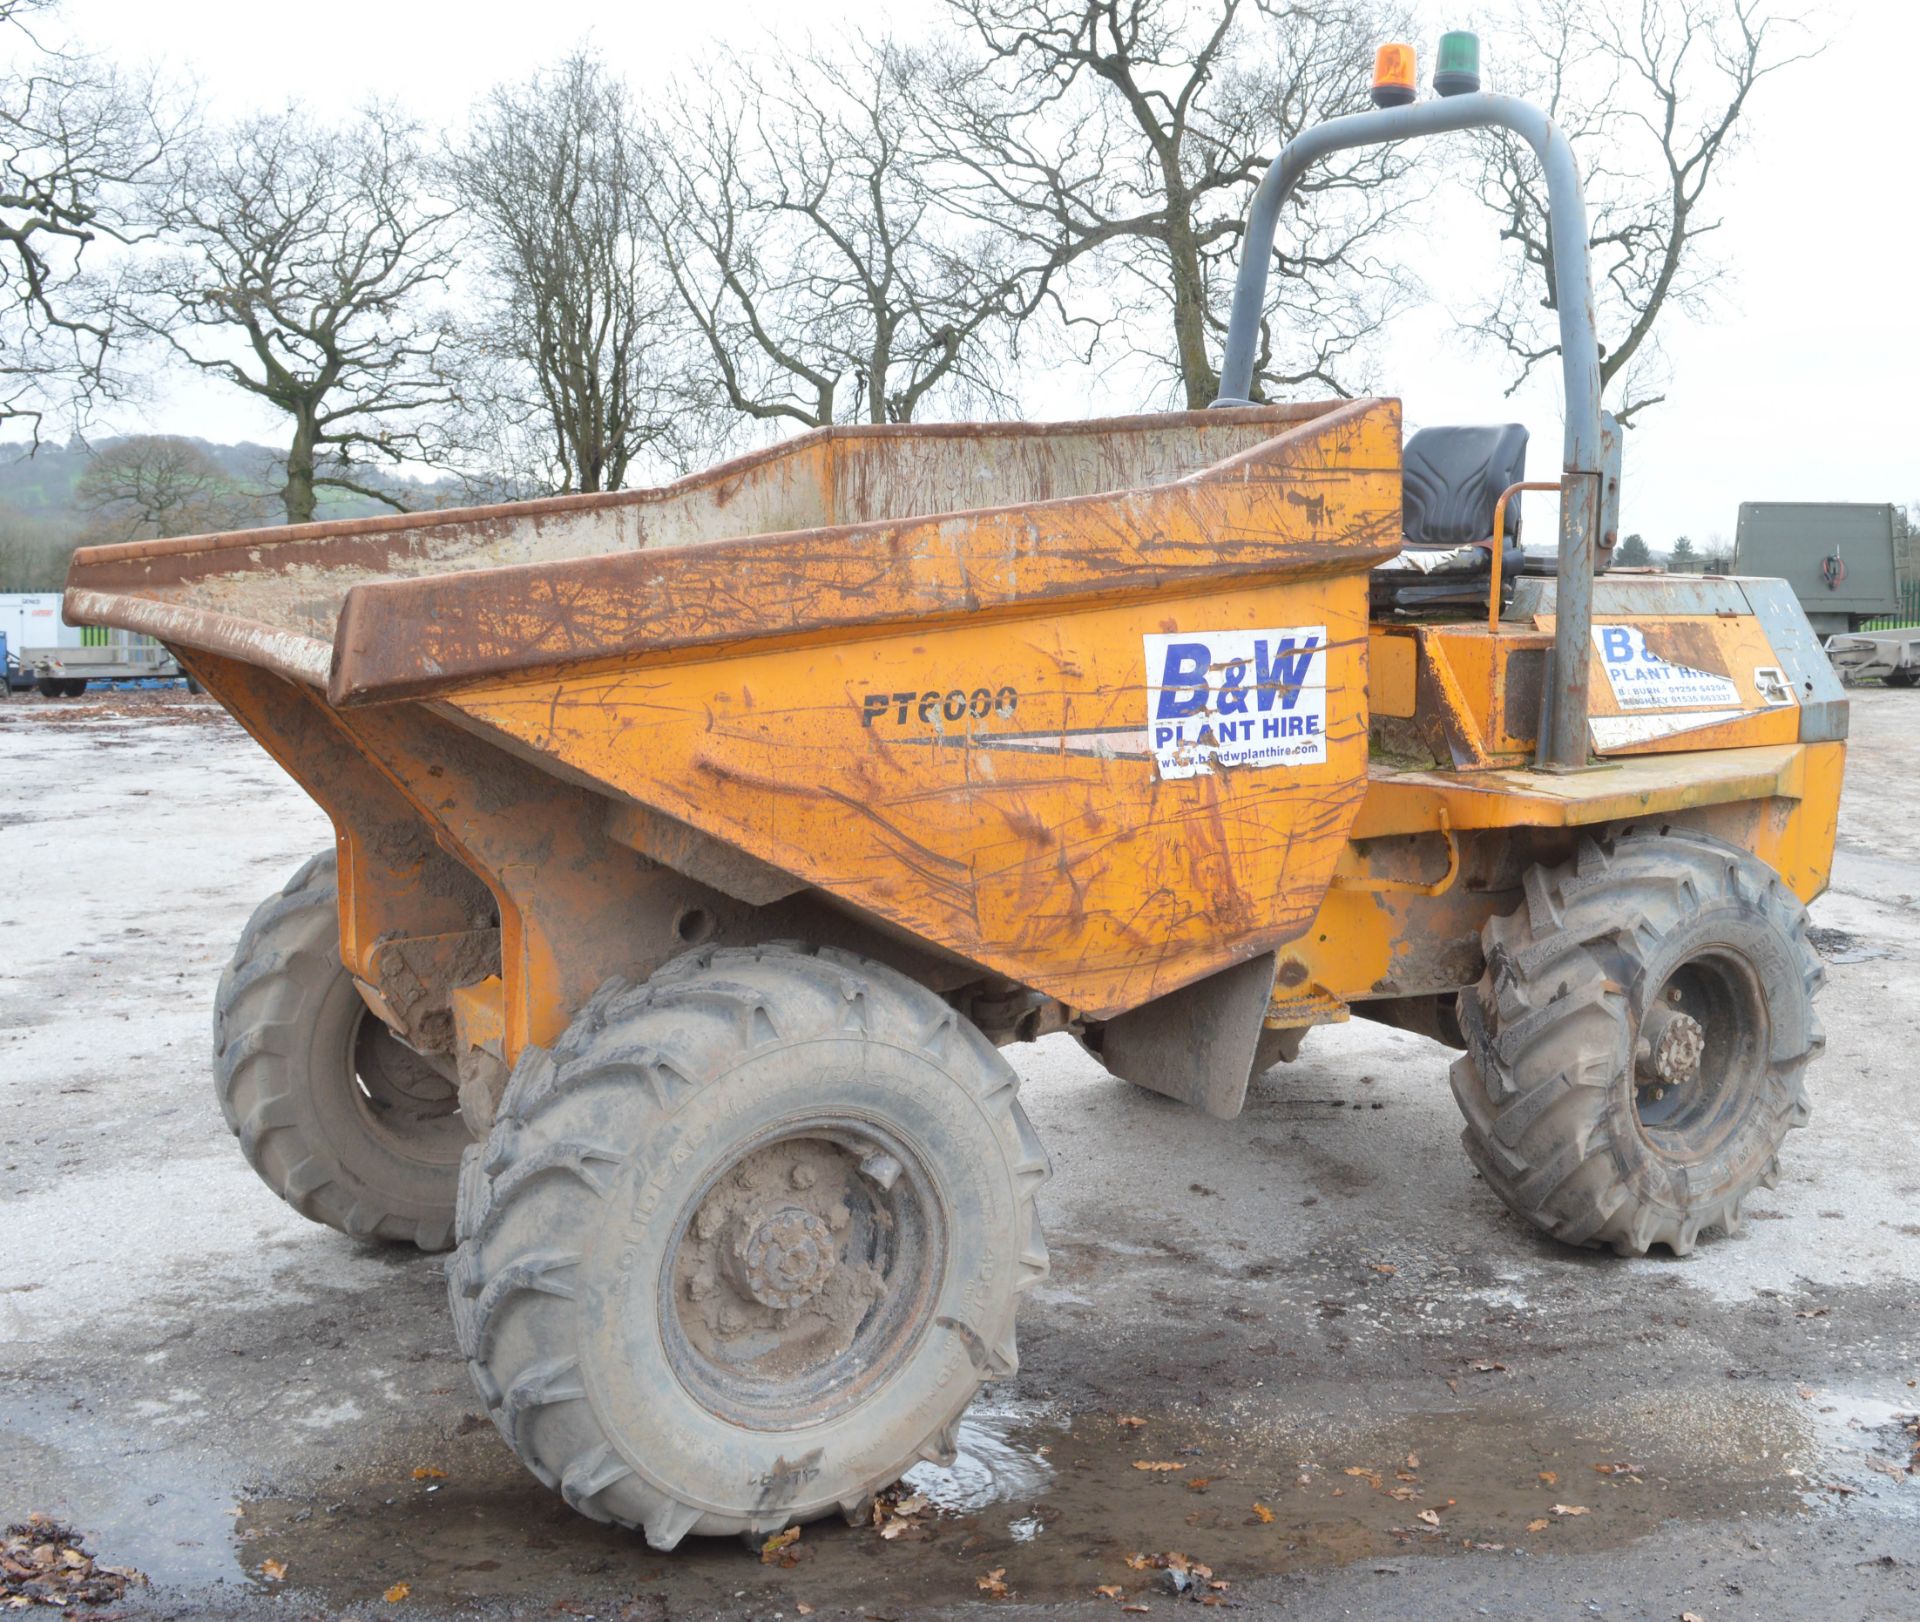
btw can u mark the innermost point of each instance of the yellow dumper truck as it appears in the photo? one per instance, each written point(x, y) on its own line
point(698, 849)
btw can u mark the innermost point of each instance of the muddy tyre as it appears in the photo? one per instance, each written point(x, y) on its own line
point(1637, 1048)
point(743, 1244)
point(340, 1119)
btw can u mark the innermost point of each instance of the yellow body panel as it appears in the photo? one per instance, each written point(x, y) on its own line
point(1032, 831)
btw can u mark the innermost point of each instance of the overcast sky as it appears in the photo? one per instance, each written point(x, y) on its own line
point(1801, 386)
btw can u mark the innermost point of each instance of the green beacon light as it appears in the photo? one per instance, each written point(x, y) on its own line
point(1456, 69)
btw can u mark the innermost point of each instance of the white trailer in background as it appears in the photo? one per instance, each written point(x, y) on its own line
point(59, 659)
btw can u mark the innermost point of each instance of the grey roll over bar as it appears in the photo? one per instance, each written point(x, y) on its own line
point(1563, 732)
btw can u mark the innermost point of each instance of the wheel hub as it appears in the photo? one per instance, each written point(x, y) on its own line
point(1672, 1044)
point(801, 1269)
point(782, 1258)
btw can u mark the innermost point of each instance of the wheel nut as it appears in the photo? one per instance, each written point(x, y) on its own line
point(881, 1169)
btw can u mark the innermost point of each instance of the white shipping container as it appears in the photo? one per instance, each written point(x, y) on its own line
point(31, 619)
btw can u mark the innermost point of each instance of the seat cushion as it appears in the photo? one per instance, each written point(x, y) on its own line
point(1452, 479)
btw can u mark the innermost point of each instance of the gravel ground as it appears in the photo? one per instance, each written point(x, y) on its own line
point(250, 1410)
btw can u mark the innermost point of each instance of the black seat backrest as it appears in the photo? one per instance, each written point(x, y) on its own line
point(1452, 477)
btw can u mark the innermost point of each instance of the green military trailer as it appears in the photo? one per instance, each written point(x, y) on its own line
point(1838, 556)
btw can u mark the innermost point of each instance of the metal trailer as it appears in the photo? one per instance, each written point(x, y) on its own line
point(1838, 556)
point(1892, 657)
point(697, 849)
point(62, 659)
point(120, 656)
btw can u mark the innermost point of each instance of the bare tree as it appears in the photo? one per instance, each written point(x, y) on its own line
point(76, 136)
point(302, 261)
point(815, 253)
point(158, 485)
point(1654, 96)
point(1126, 136)
point(575, 363)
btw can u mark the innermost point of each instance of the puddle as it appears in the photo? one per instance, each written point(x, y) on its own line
point(1869, 1448)
point(999, 1462)
point(147, 1496)
point(1057, 1500)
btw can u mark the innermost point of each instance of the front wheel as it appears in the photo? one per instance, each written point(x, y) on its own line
point(1637, 1048)
point(343, 1121)
point(741, 1247)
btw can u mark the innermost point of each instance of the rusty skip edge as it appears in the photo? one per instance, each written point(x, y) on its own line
point(299, 658)
point(426, 636)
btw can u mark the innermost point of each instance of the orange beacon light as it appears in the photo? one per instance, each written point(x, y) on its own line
point(1393, 76)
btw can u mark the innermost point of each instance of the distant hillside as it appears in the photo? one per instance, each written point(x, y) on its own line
point(40, 523)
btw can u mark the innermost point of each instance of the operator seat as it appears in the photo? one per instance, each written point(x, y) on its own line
point(1451, 481)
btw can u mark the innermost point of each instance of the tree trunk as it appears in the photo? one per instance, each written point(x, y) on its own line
point(297, 492)
point(1189, 293)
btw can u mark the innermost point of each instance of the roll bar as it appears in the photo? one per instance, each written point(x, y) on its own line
point(1563, 730)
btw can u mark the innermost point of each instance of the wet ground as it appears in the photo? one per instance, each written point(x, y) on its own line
point(1366, 1389)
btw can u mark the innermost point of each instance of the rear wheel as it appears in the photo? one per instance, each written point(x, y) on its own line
point(1900, 678)
point(339, 1117)
point(1637, 1048)
point(741, 1247)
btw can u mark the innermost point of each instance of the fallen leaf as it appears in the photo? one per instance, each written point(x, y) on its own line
point(1339, 1492)
point(1404, 1494)
point(1413, 1461)
point(1550, 1477)
point(1153, 1464)
point(993, 1585)
point(1540, 1525)
point(774, 1551)
point(1132, 1421)
point(1139, 1608)
point(1835, 1486)
point(275, 1571)
point(1887, 1467)
point(1805, 1392)
point(1384, 1267)
point(1429, 1516)
point(1109, 1590)
point(1264, 1514)
point(803, 1608)
point(1617, 1469)
point(1139, 1562)
point(1691, 1616)
point(1199, 1483)
point(428, 1472)
point(1486, 1366)
point(1815, 1312)
point(397, 1593)
point(1370, 1477)
point(1570, 1509)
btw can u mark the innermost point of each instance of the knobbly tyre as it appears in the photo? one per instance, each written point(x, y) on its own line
point(698, 849)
